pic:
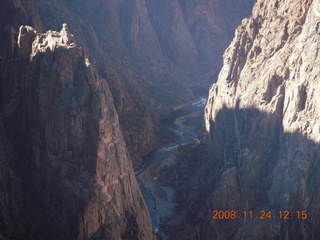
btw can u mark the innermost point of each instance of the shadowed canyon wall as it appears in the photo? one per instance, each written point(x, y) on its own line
point(65, 168)
point(261, 150)
point(73, 174)
point(150, 52)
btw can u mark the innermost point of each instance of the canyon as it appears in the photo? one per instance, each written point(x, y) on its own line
point(260, 151)
point(84, 86)
point(151, 53)
point(107, 130)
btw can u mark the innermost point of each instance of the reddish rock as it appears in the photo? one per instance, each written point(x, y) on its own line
point(77, 180)
point(150, 52)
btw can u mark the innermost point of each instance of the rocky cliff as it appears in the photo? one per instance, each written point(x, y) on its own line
point(267, 93)
point(150, 52)
point(66, 171)
point(63, 155)
point(261, 150)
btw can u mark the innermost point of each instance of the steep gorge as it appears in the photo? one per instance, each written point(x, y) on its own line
point(150, 52)
point(65, 167)
point(261, 149)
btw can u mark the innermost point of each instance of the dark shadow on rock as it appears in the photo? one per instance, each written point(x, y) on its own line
point(47, 208)
point(246, 163)
point(105, 231)
point(71, 163)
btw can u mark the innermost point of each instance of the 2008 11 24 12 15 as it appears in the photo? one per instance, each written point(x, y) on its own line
point(263, 214)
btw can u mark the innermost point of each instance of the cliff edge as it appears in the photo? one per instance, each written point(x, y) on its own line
point(261, 148)
point(262, 122)
point(75, 175)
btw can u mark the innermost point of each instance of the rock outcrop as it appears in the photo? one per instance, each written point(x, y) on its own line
point(68, 160)
point(150, 52)
point(261, 151)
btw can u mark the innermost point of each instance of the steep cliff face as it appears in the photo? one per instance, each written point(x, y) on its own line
point(170, 45)
point(150, 52)
point(9, 188)
point(261, 151)
point(75, 175)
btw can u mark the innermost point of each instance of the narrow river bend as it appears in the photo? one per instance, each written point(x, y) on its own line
point(155, 211)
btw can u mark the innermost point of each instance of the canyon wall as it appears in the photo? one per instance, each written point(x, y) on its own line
point(261, 150)
point(68, 174)
point(65, 169)
point(150, 52)
point(268, 96)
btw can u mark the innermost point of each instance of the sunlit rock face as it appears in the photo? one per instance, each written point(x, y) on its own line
point(261, 149)
point(68, 174)
point(272, 65)
point(262, 122)
point(151, 52)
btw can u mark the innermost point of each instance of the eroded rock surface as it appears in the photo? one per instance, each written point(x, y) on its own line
point(150, 52)
point(72, 168)
point(261, 151)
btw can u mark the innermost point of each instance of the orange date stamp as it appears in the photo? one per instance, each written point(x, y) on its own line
point(262, 215)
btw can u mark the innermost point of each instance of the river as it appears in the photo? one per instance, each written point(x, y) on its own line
point(161, 153)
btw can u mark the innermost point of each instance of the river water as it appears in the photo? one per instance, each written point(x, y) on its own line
point(161, 153)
